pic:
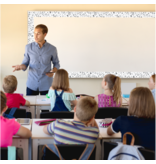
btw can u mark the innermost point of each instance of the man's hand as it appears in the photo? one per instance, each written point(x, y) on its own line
point(16, 68)
point(50, 74)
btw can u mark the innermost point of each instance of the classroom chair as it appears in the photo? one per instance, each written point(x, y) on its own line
point(68, 152)
point(4, 153)
point(108, 146)
point(58, 115)
point(111, 112)
point(20, 113)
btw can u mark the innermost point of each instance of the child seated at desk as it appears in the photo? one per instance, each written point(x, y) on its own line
point(60, 94)
point(82, 130)
point(112, 92)
point(9, 127)
point(140, 120)
point(13, 99)
point(151, 85)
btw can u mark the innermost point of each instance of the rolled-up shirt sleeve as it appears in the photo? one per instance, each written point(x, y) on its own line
point(55, 60)
point(26, 59)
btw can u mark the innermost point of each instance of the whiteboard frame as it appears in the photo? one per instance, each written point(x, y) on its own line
point(33, 14)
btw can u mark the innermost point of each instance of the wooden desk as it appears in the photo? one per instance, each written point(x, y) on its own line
point(24, 143)
point(41, 105)
point(40, 138)
point(32, 108)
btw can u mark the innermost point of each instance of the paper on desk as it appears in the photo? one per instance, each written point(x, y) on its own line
point(125, 100)
point(43, 101)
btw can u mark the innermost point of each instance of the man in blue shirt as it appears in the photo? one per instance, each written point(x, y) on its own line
point(38, 56)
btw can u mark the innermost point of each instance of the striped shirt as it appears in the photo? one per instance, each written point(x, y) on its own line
point(72, 132)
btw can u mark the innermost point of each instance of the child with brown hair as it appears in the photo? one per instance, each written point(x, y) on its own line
point(60, 94)
point(112, 92)
point(9, 127)
point(140, 120)
point(13, 99)
point(151, 85)
point(82, 130)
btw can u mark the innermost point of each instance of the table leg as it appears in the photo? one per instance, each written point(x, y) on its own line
point(37, 142)
point(22, 143)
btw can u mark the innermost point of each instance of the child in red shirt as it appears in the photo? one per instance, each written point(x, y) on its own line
point(13, 99)
point(9, 127)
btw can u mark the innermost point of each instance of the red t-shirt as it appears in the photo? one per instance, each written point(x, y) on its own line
point(14, 100)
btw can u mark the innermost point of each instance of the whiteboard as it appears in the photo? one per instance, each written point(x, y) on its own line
point(102, 44)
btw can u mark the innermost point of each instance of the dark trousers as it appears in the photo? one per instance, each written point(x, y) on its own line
point(30, 92)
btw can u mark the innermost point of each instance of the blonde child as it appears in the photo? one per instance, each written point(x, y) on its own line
point(140, 120)
point(9, 127)
point(60, 94)
point(82, 130)
point(151, 85)
point(13, 99)
point(112, 92)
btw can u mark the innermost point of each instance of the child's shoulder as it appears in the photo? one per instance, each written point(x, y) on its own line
point(69, 90)
point(12, 94)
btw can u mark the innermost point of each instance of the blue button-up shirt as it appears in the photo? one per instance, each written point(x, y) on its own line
point(153, 93)
point(39, 62)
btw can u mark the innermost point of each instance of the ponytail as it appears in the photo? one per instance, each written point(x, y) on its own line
point(117, 90)
point(114, 83)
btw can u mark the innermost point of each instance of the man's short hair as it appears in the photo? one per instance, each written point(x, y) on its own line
point(86, 108)
point(9, 84)
point(43, 27)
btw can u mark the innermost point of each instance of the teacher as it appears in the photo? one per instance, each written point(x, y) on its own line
point(38, 56)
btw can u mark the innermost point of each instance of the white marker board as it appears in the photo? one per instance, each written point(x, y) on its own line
point(98, 44)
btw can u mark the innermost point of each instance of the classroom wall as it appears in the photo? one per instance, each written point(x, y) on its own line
point(14, 38)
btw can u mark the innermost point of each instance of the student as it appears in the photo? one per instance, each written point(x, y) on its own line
point(82, 130)
point(151, 85)
point(140, 120)
point(13, 99)
point(112, 92)
point(60, 94)
point(9, 127)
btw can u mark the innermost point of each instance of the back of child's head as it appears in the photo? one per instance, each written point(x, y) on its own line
point(86, 108)
point(153, 77)
point(114, 83)
point(3, 101)
point(141, 103)
point(61, 80)
point(9, 84)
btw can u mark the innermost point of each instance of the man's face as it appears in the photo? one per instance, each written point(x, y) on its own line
point(151, 83)
point(38, 35)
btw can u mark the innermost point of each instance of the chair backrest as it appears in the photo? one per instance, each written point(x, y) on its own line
point(20, 113)
point(4, 153)
point(108, 146)
point(59, 115)
point(84, 95)
point(68, 152)
point(111, 112)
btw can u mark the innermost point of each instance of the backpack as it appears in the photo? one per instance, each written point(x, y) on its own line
point(126, 152)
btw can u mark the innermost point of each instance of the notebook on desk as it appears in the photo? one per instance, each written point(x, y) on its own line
point(44, 122)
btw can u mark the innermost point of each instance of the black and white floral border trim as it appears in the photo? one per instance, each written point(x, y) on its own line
point(102, 74)
point(32, 14)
